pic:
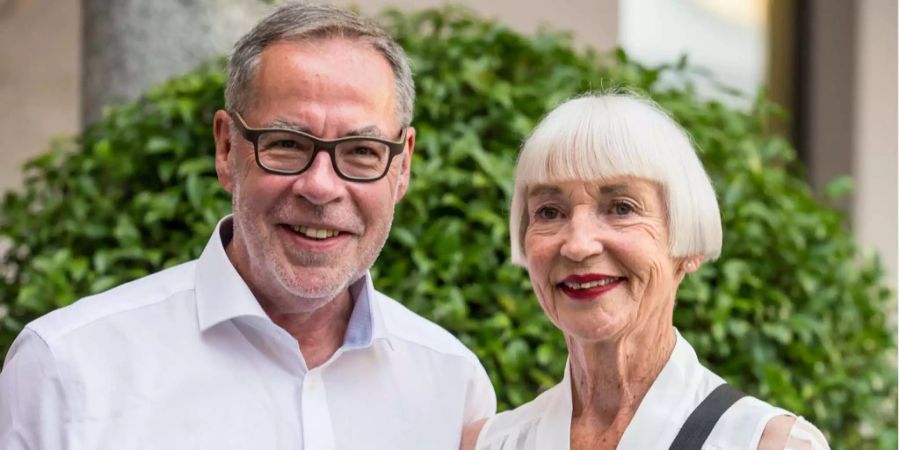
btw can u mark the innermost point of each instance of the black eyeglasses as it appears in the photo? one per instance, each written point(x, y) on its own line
point(290, 152)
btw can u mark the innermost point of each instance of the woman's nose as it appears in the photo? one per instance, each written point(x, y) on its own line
point(583, 237)
point(319, 184)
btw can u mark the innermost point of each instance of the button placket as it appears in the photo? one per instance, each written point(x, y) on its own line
point(318, 432)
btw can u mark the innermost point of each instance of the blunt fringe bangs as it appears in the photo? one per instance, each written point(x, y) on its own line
point(604, 136)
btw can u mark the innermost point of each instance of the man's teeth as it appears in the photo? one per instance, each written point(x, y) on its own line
point(590, 284)
point(314, 233)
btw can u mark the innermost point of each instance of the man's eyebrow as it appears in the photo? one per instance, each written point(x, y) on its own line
point(288, 125)
point(366, 131)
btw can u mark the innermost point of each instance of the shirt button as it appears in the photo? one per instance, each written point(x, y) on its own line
point(313, 382)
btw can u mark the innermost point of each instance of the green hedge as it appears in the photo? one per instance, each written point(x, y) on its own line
point(791, 312)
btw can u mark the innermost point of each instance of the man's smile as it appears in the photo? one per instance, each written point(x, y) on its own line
point(315, 233)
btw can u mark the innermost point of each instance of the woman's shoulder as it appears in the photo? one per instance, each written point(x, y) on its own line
point(791, 432)
point(755, 424)
point(517, 427)
point(751, 422)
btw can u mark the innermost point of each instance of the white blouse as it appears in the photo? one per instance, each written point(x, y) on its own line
point(544, 423)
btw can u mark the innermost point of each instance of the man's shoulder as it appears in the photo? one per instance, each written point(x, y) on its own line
point(143, 292)
point(406, 325)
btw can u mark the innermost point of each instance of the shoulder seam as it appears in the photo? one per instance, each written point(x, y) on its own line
point(60, 333)
point(62, 386)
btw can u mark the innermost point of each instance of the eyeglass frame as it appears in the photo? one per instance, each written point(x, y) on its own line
point(252, 135)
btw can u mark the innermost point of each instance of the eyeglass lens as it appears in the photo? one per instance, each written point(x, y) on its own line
point(357, 158)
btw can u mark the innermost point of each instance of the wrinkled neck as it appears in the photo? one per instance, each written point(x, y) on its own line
point(609, 379)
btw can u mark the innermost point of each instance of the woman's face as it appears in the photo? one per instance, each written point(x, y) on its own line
point(598, 256)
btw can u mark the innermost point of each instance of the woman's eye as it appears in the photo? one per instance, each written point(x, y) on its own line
point(622, 209)
point(547, 213)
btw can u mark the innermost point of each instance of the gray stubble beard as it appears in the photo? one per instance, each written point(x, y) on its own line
point(286, 278)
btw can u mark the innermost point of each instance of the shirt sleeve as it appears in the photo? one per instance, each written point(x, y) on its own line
point(805, 436)
point(481, 401)
point(32, 403)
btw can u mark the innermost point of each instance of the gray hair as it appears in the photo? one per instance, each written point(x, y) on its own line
point(597, 137)
point(306, 22)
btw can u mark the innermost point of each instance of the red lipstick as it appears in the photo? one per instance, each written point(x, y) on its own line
point(588, 286)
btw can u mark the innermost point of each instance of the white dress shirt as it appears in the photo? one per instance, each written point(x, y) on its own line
point(545, 422)
point(187, 359)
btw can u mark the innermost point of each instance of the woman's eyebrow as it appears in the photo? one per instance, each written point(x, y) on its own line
point(613, 189)
point(542, 190)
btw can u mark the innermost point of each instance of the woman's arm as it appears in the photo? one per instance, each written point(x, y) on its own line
point(792, 433)
point(470, 434)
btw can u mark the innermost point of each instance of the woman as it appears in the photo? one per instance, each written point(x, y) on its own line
point(612, 208)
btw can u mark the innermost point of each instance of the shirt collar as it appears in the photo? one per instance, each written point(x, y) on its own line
point(361, 326)
point(557, 423)
point(222, 295)
point(677, 390)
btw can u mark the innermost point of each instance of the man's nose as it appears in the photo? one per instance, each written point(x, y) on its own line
point(583, 237)
point(319, 184)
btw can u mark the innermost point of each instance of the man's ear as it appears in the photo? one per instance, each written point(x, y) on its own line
point(403, 179)
point(222, 134)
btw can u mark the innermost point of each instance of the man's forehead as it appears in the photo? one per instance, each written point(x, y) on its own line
point(327, 46)
point(300, 85)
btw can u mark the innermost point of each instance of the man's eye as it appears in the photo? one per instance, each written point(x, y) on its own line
point(622, 209)
point(285, 144)
point(547, 213)
point(362, 150)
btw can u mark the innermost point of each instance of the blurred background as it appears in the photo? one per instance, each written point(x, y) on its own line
point(793, 311)
point(831, 64)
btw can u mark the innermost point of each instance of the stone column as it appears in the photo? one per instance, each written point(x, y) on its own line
point(131, 45)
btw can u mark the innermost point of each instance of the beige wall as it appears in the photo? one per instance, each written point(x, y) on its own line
point(39, 76)
point(875, 131)
point(594, 22)
point(829, 89)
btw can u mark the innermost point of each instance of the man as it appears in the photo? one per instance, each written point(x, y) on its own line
point(274, 338)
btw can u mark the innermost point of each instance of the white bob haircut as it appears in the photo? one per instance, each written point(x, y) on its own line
point(605, 136)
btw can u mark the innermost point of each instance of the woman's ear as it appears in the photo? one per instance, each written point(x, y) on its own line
point(691, 263)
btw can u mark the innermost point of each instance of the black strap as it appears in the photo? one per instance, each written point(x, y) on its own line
point(701, 422)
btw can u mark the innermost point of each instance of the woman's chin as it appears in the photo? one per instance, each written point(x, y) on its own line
point(592, 332)
point(595, 322)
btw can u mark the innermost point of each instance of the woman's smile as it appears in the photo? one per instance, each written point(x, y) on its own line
point(590, 286)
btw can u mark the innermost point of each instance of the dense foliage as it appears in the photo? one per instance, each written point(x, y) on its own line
point(791, 312)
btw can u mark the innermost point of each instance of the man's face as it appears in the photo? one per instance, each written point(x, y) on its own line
point(301, 240)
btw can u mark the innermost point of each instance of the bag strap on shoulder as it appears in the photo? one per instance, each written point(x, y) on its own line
point(700, 423)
